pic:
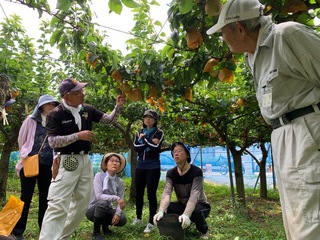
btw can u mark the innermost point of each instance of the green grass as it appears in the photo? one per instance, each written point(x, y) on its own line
point(261, 219)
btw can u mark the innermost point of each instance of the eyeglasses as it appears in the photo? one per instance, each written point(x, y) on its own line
point(78, 93)
point(177, 151)
point(113, 161)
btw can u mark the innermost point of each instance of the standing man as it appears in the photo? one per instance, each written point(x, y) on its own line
point(69, 128)
point(285, 63)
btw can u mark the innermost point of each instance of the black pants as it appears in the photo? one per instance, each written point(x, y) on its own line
point(199, 215)
point(27, 189)
point(147, 178)
point(101, 210)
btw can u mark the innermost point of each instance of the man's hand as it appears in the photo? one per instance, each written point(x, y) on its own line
point(185, 221)
point(121, 99)
point(86, 135)
point(157, 217)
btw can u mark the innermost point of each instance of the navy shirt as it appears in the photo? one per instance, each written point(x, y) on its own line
point(60, 122)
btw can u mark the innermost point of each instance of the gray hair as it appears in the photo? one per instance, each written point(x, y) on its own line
point(253, 24)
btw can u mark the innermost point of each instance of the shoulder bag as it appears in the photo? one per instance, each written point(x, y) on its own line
point(31, 163)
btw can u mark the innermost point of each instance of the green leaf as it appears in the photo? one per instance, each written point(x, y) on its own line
point(143, 86)
point(185, 6)
point(130, 3)
point(115, 6)
point(55, 37)
point(63, 4)
point(231, 65)
point(158, 23)
point(80, 2)
point(211, 84)
point(175, 36)
point(303, 18)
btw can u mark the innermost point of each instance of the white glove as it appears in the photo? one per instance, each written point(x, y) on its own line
point(157, 217)
point(185, 221)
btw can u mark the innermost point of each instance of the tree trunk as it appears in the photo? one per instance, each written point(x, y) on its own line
point(4, 168)
point(262, 171)
point(239, 176)
point(133, 175)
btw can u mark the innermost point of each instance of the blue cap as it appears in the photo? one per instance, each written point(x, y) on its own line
point(185, 146)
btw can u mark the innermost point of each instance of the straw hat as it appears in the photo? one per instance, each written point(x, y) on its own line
point(123, 161)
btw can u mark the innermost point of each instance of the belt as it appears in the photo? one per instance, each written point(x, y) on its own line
point(288, 117)
point(74, 153)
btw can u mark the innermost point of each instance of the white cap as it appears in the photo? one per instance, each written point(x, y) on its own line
point(237, 10)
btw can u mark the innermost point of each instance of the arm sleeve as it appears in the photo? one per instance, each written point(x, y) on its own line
point(197, 187)
point(62, 141)
point(23, 133)
point(112, 117)
point(166, 195)
point(27, 131)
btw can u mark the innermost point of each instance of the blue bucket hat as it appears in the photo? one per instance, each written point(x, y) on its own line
point(186, 148)
point(44, 99)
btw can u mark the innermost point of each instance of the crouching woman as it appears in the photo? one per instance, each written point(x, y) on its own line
point(186, 180)
point(107, 199)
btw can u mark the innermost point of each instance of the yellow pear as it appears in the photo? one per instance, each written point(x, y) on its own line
point(213, 7)
point(209, 66)
point(194, 38)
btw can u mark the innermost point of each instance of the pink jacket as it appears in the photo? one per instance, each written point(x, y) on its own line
point(26, 139)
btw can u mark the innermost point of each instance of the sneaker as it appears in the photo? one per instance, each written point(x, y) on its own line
point(97, 236)
point(149, 228)
point(136, 221)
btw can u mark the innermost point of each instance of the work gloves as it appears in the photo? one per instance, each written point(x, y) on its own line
point(185, 221)
point(157, 217)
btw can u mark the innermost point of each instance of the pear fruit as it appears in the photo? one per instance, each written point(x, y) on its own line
point(213, 7)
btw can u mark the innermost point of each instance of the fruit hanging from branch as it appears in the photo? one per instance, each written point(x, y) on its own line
point(116, 75)
point(153, 92)
point(194, 38)
point(226, 75)
point(209, 66)
point(213, 7)
point(135, 95)
point(126, 88)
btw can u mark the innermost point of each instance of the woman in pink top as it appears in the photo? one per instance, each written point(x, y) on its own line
point(31, 136)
